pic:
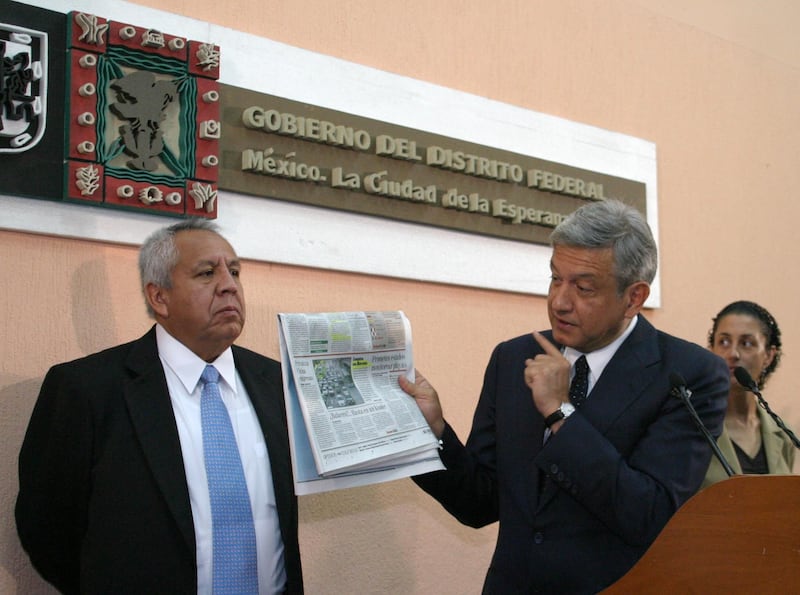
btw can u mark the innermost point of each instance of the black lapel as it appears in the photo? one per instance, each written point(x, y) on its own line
point(631, 370)
point(153, 420)
point(260, 376)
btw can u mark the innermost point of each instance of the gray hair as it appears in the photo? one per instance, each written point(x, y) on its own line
point(159, 255)
point(613, 224)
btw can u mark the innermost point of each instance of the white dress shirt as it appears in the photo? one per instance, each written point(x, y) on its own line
point(183, 369)
point(598, 360)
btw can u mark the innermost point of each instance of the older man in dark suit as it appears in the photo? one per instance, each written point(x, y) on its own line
point(136, 457)
point(578, 448)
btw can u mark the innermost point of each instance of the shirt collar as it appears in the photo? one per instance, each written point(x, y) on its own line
point(599, 358)
point(187, 366)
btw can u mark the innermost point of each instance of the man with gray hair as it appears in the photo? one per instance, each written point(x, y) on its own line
point(162, 465)
point(578, 446)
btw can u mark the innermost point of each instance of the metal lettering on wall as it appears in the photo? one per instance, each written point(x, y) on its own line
point(141, 122)
point(278, 148)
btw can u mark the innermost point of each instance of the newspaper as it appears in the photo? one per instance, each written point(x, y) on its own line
point(350, 424)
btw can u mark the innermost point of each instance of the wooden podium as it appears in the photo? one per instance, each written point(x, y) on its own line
point(741, 535)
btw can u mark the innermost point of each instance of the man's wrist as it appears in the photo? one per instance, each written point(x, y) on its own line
point(559, 415)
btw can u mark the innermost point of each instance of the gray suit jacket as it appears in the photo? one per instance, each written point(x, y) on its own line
point(103, 505)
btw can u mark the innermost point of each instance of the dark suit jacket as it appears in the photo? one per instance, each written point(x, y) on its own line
point(577, 512)
point(103, 505)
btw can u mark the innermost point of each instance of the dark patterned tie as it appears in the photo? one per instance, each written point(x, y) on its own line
point(235, 570)
point(580, 382)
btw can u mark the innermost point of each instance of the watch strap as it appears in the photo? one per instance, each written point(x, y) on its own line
point(557, 415)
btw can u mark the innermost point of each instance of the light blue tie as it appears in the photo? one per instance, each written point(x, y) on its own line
point(234, 538)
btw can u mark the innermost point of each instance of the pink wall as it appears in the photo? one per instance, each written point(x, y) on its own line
point(713, 83)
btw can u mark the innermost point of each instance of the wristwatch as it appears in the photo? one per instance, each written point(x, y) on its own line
point(563, 412)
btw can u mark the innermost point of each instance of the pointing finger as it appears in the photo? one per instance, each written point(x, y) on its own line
point(548, 347)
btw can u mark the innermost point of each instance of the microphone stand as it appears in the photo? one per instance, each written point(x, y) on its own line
point(744, 378)
point(680, 390)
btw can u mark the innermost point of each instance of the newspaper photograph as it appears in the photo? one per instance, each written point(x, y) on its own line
point(349, 420)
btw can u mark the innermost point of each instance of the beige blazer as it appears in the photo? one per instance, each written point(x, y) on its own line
point(777, 445)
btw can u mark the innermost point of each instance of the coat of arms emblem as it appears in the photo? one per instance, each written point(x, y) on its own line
point(23, 87)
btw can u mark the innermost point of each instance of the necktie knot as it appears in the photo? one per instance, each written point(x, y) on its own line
point(210, 375)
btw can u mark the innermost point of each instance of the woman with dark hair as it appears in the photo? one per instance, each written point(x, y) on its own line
point(747, 335)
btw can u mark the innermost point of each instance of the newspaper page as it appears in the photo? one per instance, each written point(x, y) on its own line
point(349, 422)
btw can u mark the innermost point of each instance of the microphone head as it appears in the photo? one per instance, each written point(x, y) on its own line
point(676, 380)
point(743, 377)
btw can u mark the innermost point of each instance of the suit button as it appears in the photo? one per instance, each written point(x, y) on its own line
point(560, 476)
point(553, 468)
point(538, 537)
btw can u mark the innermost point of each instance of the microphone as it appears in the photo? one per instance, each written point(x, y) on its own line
point(680, 390)
point(744, 378)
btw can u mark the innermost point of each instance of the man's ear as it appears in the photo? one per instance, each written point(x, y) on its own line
point(636, 296)
point(157, 299)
